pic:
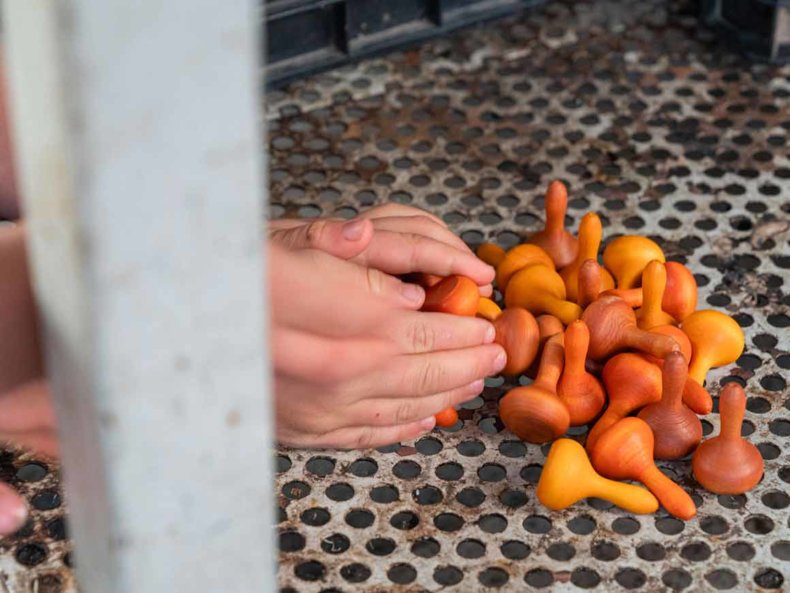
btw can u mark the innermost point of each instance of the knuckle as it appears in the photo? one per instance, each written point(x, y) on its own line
point(405, 412)
point(314, 233)
point(287, 238)
point(363, 439)
point(423, 337)
point(450, 399)
point(414, 246)
point(427, 378)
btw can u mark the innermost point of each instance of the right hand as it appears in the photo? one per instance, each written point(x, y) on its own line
point(356, 364)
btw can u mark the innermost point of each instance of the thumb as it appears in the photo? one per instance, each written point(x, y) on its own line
point(340, 239)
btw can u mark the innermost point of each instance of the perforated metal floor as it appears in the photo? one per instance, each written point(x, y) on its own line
point(652, 125)
point(660, 131)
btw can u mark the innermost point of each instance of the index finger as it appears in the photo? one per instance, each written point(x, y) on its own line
point(396, 209)
point(416, 332)
point(403, 253)
point(313, 290)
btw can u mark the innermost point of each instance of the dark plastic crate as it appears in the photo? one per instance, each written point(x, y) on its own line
point(760, 27)
point(306, 36)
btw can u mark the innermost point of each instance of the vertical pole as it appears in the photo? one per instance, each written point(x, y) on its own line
point(139, 149)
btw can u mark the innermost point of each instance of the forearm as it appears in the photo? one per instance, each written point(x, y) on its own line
point(9, 198)
point(20, 352)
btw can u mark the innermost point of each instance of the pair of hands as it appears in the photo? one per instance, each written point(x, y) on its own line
point(356, 364)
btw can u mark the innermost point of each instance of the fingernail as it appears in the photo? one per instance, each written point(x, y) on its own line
point(428, 423)
point(490, 334)
point(352, 231)
point(412, 292)
point(12, 516)
point(500, 361)
point(475, 387)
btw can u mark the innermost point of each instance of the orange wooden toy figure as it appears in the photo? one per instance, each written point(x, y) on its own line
point(728, 463)
point(625, 452)
point(580, 391)
point(534, 413)
point(554, 239)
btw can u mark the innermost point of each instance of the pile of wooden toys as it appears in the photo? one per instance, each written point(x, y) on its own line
point(620, 347)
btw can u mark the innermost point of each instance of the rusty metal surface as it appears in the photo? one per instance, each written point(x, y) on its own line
point(37, 559)
point(654, 126)
point(662, 132)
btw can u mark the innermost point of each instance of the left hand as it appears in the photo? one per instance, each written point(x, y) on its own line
point(393, 239)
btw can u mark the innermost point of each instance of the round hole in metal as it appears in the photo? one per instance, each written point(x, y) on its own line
point(312, 570)
point(32, 472)
point(493, 577)
point(626, 525)
point(406, 469)
point(405, 520)
point(537, 524)
point(425, 547)
point(514, 550)
point(722, 578)
point(561, 551)
point(492, 523)
point(605, 550)
point(471, 497)
point(448, 575)
point(295, 490)
point(402, 573)
point(360, 518)
point(630, 578)
point(696, 551)
point(363, 468)
point(769, 578)
point(320, 466)
point(337, 543)
point(470, 549)
point(291, 541)
point(384, 494)
point(340, 492)
point(380, 546)
point(759, 524)
point(427, 495)
point(450, 471)
point(582, 524)
point(315, 516)
point(585, 578)
point(676, 579)
point(355, 572)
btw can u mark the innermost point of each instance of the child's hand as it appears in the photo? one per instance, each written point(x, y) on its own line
point(356, 365)
point(396, 240)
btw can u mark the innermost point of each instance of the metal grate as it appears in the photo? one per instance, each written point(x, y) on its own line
point(657, 129)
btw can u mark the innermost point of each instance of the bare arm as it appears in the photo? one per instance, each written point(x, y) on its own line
point(9, 203)
point(20, 352)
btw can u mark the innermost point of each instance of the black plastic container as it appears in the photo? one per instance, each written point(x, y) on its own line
point(305, 36)
point(760, 27)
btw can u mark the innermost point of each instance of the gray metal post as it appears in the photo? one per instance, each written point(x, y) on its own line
point(137, 128)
